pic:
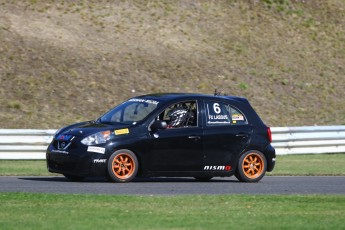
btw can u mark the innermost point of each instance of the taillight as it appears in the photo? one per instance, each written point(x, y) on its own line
point(269, 134)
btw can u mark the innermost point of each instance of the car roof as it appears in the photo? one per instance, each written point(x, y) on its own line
point(177, 96)
point(240, 102)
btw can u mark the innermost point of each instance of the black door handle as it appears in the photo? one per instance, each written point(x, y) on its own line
point(242, 135)
point(194, 137)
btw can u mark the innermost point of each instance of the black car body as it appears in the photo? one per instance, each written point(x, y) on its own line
point(194, 135)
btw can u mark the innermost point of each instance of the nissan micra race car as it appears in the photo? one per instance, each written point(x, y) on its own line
point(179, 135)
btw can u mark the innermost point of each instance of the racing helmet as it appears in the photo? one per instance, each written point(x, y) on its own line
point(178, 117)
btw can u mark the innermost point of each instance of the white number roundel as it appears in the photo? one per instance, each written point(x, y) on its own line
point(216, 108)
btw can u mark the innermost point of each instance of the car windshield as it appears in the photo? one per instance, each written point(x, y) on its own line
point(130, 112)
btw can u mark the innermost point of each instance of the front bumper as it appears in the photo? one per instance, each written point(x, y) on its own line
point(76, 160)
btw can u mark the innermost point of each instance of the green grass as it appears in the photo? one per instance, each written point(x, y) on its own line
point(43, 211)
point(23, 167)
point(312, 165)
point(51, 211)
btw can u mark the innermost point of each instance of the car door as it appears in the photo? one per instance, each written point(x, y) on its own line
point(179, 147)
point(226, 134)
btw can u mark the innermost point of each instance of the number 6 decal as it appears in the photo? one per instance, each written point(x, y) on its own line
point(216, 108)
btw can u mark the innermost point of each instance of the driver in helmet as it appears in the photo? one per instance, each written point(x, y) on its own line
point(179, 117)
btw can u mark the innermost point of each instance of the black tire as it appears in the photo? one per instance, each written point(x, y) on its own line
point(122, 166)
point(251, 166)
point(74, 178)
point(203, 178)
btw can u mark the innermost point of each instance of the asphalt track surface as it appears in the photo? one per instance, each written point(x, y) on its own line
point(176, 186)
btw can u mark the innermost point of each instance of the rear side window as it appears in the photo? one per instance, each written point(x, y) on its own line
point(219, 113)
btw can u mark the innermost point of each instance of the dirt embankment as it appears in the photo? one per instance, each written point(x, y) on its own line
point(68, 61)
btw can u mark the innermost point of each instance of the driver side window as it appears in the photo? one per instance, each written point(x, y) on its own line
point(180, 115)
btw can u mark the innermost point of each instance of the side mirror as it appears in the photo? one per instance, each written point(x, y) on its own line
point(157, 125)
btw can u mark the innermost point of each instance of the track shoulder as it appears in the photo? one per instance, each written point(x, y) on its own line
point(176, 186)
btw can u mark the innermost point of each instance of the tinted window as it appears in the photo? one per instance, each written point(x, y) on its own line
point(131, 111)
point(182, 114)
point(219, 113)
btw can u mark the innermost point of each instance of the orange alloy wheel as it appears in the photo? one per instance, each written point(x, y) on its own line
point(123, 166)
point(253, 165)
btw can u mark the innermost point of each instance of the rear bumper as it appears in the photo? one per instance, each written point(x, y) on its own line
point(270, 153)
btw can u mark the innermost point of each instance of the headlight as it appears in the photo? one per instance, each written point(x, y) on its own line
point(97, 138)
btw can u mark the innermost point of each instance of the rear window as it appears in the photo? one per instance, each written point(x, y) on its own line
point(219, 113)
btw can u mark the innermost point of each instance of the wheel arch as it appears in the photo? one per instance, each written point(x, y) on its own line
point(242, 175)
point(267, 155)
point(135, 152)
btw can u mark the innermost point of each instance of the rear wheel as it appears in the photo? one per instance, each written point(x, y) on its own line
point(251, 167)
point(122, 166)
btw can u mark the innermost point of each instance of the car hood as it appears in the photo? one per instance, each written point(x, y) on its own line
point(88, 128)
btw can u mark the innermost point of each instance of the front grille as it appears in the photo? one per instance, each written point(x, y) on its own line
point(62, 145)
point(62, 142)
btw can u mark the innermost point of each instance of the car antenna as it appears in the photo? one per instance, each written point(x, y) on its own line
point(219, 93)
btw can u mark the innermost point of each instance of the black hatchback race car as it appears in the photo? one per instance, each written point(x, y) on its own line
point(182, 135)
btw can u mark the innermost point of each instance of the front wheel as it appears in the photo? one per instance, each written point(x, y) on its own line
point(122, 166)
point(251, 167)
